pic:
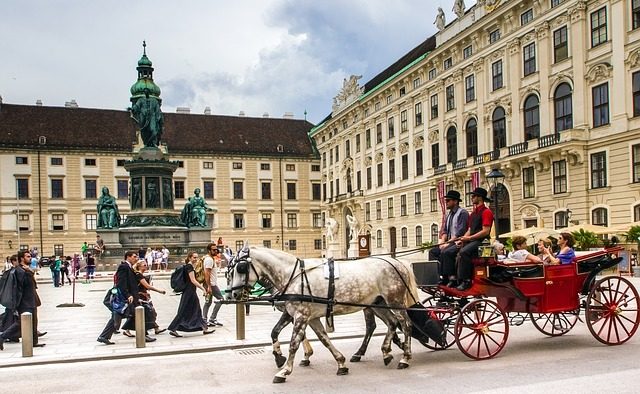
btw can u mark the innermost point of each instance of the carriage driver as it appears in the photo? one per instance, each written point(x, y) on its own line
point(454, 226)
point(480, 223)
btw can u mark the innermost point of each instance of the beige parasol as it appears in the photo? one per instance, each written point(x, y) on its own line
point(532, 234)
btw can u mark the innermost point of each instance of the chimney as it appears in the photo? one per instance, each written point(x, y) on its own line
point(71, 104)
point(265, 115)
point(241, 113)
point(288, 115)
point(39, 103)
point(207, 110)
point(183, 110)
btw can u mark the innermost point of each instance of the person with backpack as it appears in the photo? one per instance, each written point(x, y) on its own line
point(211, 266)
point(189, 315)
point(126, 285)
point(25, 299)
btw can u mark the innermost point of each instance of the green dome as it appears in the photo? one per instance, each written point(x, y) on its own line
point(144, 61)
point(137, 89)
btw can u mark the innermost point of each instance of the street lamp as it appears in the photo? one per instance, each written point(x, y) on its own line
point(496, 179)
point(568, 217)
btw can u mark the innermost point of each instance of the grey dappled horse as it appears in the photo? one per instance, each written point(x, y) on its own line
point(368, 281)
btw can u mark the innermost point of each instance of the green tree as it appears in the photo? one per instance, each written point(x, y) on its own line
point(633, 235)
point(585, 239)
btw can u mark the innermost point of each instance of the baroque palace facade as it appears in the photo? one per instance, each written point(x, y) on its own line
point(260, 176)
point(547, 91)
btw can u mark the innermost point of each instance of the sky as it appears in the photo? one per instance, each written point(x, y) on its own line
point(256, 56)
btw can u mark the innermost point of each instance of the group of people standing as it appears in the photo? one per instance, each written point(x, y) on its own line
point(131, 283)
point(158, 257)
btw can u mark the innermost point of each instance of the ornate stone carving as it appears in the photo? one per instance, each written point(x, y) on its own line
point(514, 46)
point(367, 161)
point(418, 141)
point(529, 211)
point(434, 136)
point(478, 65)
point(633, 60)
point(542, 29)
point(350, 92)
point(391, 152)
point(599, 72)
point(527, 90)
point(404, 147)
point(559, 21)
point(577, 11)
point(457, 76)
point(379, 157)
point(504, 102)
point(496, 55)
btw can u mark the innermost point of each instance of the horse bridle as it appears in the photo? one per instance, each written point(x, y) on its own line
point(242, 265)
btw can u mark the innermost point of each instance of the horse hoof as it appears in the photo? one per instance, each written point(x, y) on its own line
point(387, 360)
point(402, 365)
point(280, 360)
point(342, 371)
point(305, 363)
point(355, 359)
point(279, 379)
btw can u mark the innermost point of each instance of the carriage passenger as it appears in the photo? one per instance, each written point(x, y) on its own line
point(520, 253)
point(454, 226)
point(480, 223)
point(566, 254)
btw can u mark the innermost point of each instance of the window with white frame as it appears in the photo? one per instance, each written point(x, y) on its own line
point(238, 220)
point(404, 237)
point(599, 27)
point(379, 238)
point(417, 205)
point(90, 221)
point(559, 176)
point(598, 170)
point(57, 221)
point(418, 235)
point(266, 220)
point(599, 217)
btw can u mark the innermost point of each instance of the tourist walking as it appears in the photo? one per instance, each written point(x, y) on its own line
point(91, 267)
point(126, 285)
point(211, 266)
point(150, 314)
point(189, 316)
point(64, 271)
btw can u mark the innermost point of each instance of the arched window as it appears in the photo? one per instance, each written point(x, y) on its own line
point(531, 118)
point(472, 137)
point(434, 233)
point(599, 217)
point(636, 213)
point(561, 220)
point(499, 129)
point(452, 145)
point(418, 235)
point(562, 103)
point(379, 239)
point(404, 237)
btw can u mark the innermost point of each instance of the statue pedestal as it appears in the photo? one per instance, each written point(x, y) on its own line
point(333, 250)
point(353, 249)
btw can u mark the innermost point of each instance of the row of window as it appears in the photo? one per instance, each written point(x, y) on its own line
point(91, 189)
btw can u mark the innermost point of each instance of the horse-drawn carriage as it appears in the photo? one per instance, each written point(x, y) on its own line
point(550, 296)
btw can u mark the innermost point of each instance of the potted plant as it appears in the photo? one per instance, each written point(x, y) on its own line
point(633, 235)
point(585, 239)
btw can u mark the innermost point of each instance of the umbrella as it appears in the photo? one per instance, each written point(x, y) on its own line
point(623, 228)
point(599, 230)
point(532, 234)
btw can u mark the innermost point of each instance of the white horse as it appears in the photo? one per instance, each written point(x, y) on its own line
point(301, 283)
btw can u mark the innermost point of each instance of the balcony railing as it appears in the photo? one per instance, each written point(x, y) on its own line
point(518, 148)
point(487, 157)
point(460, 164)
point(441, 169)
point(548, 140)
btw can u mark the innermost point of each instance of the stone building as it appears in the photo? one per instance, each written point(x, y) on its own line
point(547, 91)
point(261, 176)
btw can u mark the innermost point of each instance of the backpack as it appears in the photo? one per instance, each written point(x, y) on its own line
point(198, 270)
point(178, 279)
point(7, 289)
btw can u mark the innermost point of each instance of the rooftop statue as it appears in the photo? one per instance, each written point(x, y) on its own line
point(440, 20)
point(458, 8)
point(108, 215)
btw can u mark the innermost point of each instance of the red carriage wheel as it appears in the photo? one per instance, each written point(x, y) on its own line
point(447, 314)
point(554, 324)
point(481, 330)
point(612, 310)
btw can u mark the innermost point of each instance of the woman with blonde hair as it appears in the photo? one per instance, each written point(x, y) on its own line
point(189, 316)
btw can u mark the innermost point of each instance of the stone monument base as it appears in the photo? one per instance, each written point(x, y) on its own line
point(333, 250)
point(353, 250)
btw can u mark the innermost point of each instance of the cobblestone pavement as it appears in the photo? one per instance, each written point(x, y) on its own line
point(72, 331)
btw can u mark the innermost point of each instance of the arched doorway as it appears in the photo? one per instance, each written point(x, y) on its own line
point(502, 200)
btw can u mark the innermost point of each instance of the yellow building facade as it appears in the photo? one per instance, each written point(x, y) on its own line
point(546, 91)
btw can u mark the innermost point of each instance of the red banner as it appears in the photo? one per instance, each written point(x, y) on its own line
point(475, 180)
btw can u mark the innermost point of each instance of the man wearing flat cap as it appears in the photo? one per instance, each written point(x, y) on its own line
point(454, 226)
point(480, 222)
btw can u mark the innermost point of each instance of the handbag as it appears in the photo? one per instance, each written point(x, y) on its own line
point(115, 302)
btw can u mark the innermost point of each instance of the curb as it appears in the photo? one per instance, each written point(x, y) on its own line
point(28, 363)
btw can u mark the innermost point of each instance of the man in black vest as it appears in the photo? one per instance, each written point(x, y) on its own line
point(480, 223)
point(125, 281)
point(454, 226)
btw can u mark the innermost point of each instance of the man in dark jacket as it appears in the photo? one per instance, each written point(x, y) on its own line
point(26, 299)
point(126, 283)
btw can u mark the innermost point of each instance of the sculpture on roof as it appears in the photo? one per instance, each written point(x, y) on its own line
point(440, 20)
point(458, 8)
point(350, 91)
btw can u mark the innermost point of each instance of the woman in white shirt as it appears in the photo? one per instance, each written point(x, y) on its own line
point(520, 253)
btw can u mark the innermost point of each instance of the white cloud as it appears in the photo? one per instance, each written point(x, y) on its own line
point(254, 55)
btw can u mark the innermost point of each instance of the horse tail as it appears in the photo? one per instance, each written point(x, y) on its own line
point(411, 297)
